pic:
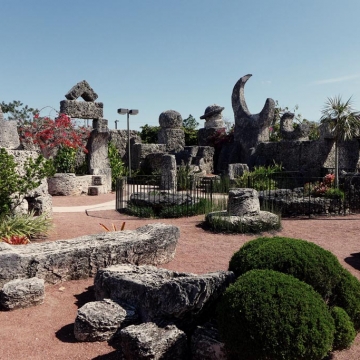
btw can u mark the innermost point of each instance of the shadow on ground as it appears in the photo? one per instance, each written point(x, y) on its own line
point(114, 355)
point(66, 334)
point(354, 260)
point(85, 297)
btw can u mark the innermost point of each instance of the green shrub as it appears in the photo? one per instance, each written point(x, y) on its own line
point(24, 225)
point(269, 315)
point(116, 164)
point(184, 179)
point(261, 178)
point(304, 260)
point(185, 210)
point(65, 160)
point(140, 211)
point(175, 211)
point(221, 185)
point(334, 193)
point(14, 185)
point(344, 329)
point(347, 296)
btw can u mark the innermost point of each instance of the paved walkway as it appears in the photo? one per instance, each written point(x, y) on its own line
point(110, 205)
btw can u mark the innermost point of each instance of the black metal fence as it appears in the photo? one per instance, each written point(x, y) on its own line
point(151, 196)
point(288, 193)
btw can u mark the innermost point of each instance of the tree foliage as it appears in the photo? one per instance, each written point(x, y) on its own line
point(343, 122)
point(49, 134)
point(16, 110)
point(189, 126)
point(14, 185)
point(149, 134)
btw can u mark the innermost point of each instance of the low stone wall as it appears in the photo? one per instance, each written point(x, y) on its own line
point(294, 203)
point(69, 184)
point(81, 257)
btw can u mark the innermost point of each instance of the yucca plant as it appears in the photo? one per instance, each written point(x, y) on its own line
point(22, 225)
point(344, 124)
point(113, 227)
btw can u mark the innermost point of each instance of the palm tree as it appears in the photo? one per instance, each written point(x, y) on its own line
point(343, 122)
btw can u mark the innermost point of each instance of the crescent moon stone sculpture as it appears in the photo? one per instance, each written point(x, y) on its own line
point(250, 129)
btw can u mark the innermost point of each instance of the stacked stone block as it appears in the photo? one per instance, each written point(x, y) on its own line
point(97, 146)
point(171, 133)
point(168, 173)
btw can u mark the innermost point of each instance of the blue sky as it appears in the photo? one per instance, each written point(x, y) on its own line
point(180, 54)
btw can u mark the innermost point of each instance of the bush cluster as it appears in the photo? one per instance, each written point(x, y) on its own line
point(269, 315)
point(258, 313)
point(301, 259)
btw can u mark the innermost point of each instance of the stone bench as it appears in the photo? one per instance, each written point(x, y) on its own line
point(81, 257)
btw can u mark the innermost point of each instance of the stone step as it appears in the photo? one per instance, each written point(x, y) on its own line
point(96, 190)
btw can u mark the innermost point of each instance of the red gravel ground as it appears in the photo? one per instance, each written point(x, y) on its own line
point(46, 331)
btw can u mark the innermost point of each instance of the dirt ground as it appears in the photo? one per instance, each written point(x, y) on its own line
point(46, 331)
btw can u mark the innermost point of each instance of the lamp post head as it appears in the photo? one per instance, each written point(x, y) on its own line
point(133, 112)
point(123, 111)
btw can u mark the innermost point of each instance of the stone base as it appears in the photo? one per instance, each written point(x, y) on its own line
point(264, 221)
point(22, 293)
point(67, 184)
point(148, 341)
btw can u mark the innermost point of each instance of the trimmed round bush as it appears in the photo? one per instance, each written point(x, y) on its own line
point(304, 260)
point(269, 315)
point(344, 329)
point(347, 296)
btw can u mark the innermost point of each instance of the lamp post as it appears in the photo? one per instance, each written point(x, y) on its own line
point(116, 121)
point(128, 112)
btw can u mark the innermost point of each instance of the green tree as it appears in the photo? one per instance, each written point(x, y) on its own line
point(117, 165)
point(14, 185)
point(189, 125)
point(343, 122)
point(149, 134)
point(16, 110)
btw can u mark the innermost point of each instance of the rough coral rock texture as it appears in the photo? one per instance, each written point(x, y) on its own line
point(236, 170)
point(82, 89)
point(288, 132)
point(213, 117)
point(9, 137)
point(22, 293)
point(67, 184)
point(82, 109)
point(148, 341)
point(206, 343)
point(263, 221)
point(100, 320)
point(140, 151)
point(81, 257)
point(174, 139)
point(168, 173)
point(250, 129)
point(170, 119)
point(160, 295)
point(243, 202)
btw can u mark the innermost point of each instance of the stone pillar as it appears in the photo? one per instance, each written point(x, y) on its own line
point(243, 202)
point(9, 137)
point(97, 146)
point(168, 173)
point(171, 133)
point(235, 170)
point(213, 123)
